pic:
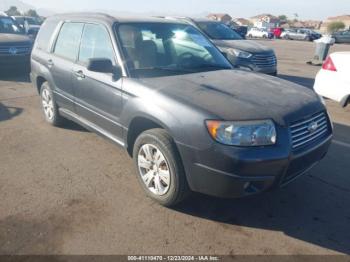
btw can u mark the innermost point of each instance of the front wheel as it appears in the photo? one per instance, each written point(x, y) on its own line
point(160, 170)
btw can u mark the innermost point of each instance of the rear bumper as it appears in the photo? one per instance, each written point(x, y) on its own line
point(232, 172)
point(332, 85)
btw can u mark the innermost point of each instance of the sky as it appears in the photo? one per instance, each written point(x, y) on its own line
point(306, 9)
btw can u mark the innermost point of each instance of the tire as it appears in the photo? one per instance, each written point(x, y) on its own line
point(176, 189)
point(48, 101)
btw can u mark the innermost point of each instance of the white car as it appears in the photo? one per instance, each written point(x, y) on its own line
point(258, 32)
point(333, 80)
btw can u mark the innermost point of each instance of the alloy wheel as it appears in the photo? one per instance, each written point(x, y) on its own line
point(154, 169)
point(47, 103)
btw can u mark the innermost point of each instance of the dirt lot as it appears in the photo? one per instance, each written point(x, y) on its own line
point(68, 191)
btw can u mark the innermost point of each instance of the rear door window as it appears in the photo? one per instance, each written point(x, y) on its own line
point(96, 43)
point(45, 35)
point(67, 43)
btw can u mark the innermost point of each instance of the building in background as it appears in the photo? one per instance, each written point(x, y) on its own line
point(265, 21)
point(242, 22)
point(225, 18)
point(343, 18)
point(310, 24)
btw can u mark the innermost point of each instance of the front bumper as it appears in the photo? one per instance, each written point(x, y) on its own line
point(15, 61)
point(264, 67)
point(332, 85)
point(233, 172)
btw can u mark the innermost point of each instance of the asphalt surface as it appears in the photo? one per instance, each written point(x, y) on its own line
point(68, 191)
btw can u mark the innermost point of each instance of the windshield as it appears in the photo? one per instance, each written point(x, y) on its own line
point(8, 26)
point(160, 49)
point(32, 21)
point(219, 31)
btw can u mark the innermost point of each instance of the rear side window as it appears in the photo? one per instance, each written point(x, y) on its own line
point(67, 44)
point(45, 34)
point(95, 43)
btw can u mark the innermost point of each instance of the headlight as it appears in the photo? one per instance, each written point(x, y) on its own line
point(322, 100)
point(243, 133)
point(240, 53)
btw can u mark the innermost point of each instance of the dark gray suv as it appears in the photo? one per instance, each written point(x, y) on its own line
point(165, 93)
point(15, 46)
point(241, 52)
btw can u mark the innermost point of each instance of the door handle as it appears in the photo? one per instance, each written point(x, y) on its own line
point(50, 63)
point(79, 74)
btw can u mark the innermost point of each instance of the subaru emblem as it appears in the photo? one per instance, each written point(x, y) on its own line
point(312, 127)
point(13, 50)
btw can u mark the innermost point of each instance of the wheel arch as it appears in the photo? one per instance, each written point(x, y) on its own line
point(140, 124)
point(39, 81)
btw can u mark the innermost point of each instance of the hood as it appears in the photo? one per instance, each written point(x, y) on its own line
point(14, 38)
point(244, 45)
point(239, 95)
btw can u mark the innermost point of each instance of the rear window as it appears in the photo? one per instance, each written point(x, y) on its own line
point(68, 41)
point(45, 34)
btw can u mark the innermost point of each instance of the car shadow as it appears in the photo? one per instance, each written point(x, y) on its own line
point(7, 112)
point(314, 208)
point(15, 76)
point(70, 125)
point(304, 81)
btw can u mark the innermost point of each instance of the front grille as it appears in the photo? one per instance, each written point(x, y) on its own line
point(307, 131)
point(15, 50)
point(268, 60)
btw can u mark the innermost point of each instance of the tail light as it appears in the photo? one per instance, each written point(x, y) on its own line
point(329, 65)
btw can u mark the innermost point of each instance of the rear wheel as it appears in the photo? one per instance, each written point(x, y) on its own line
point(49, 105)
point(160, 170)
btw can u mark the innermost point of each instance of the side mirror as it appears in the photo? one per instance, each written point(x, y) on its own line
point(117, 73)
point(100, 65)
point(104, 65)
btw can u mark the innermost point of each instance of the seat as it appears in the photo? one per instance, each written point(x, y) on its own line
point(147, 53)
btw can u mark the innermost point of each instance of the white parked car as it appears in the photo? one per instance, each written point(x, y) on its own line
point(258, 32)
point(333, 80)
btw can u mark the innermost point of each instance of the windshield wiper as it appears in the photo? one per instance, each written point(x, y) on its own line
point(163, 69)
point(212, 66)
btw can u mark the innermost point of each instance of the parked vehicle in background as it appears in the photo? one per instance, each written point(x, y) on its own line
point(342, 36)
point(277, 32)
point(241, 30)
point(31, 25)
point(300, 34)
point(333, 80)
point(15, 46)
point(259, 33)
point(165, 93)
point(243, 53)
